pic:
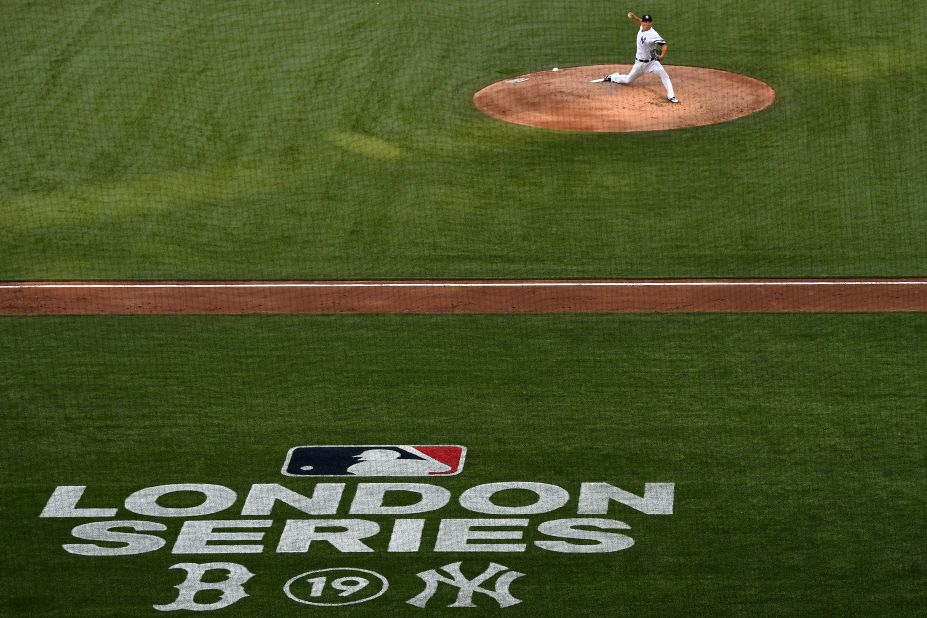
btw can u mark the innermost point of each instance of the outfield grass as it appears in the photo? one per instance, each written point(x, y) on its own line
point(796, 444)
point(330, 139)
point(337, 139)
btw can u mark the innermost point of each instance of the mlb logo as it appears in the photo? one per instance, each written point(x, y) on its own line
point(375, 460)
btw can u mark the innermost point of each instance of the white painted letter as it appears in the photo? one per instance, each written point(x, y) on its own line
point(370, 496)
point(456, 534)
point(63, 503)
point(407, 535)
point(104, 531)
point(232, 589)
point(195, 536)
point(324, 500)
point(657, 499)
point(572, 529)
point(298, 534)
point(145, 501)
point(479, 499)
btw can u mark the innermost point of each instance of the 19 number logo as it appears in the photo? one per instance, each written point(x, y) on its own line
point(334, 587)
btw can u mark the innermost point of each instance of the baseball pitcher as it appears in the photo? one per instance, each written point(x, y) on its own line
point(651, 49)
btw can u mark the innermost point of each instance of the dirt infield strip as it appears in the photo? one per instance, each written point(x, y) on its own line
point(465, 296)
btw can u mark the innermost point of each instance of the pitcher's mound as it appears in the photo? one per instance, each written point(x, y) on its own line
point(566, 99)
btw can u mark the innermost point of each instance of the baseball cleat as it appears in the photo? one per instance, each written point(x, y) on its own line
point(599, 81)
point(673, 100)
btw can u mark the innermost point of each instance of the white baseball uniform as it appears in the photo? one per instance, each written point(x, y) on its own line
point(646, 61)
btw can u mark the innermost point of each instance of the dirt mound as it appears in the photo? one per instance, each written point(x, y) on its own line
point(565, 99)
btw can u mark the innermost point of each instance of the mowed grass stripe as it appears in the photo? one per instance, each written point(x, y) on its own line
point(795, 444)
point(338, 140)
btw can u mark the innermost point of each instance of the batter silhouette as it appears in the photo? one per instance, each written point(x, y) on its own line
point(385, 462)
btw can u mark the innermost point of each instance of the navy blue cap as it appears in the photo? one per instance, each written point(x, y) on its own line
point(647, 17)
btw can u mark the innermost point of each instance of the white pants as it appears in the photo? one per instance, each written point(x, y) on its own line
point(639, 69)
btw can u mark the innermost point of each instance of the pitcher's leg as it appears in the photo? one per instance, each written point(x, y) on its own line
point(636, 71)
point(665, 78)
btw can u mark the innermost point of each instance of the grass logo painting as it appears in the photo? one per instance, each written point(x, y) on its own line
point(357, 519)
point(375, 460)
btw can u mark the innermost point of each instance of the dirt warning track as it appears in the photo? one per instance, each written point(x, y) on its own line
point(464, 296)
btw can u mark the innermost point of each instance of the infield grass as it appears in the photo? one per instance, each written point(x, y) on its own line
point(796, 444)
point(328, 139)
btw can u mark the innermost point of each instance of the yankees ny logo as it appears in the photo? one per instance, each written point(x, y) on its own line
point(468, 587)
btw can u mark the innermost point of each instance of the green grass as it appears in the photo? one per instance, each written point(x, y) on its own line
point(337, 139)
point(796, 444)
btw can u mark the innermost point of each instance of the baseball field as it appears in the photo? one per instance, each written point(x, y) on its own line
point(755, 455)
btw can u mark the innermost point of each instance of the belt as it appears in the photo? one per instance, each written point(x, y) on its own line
point(639, 60)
